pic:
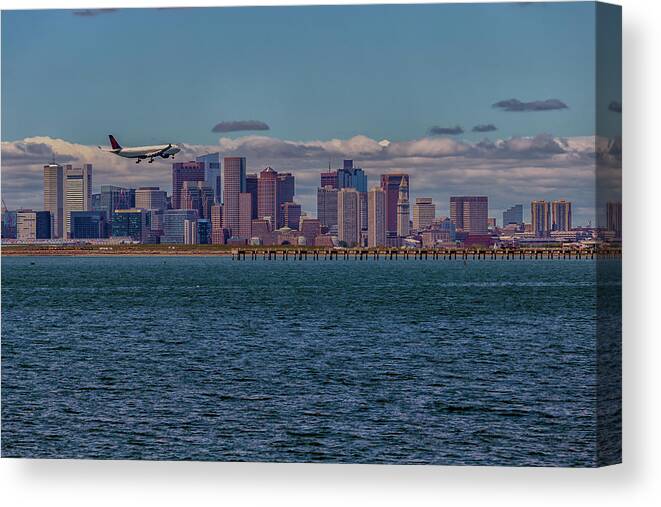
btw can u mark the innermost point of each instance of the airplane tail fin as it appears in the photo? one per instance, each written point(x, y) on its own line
point(113, 142)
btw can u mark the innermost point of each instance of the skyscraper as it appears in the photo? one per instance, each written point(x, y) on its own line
point(513, 215)
point(561, 215)
point(197, 195)
point(351, 177)
point(390, 185)
point(424, 213)
point(190, 232)
point(245, 216)
point(376, 229)
point(217, 234)
point(327, 206)
point(130, 223)
point(541, 218)
point(211, 163)
point(252, 182)
point(291, 215)
point(150, 198)
point(114, 198)
point(614, 218)
point(173, 224)
point(54, 197)
point(403, 209)
point(348, 216)
point(286, 190)
point(234, 184)
point(77, 192)
point(328, 179)
point(184, 171)
point(470, 214)
point(267, 198)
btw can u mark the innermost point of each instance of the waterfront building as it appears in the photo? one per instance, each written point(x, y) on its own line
point(376, 228)
point(424, 213)
point(212, 177)
point(310, 228)
point(245, 215)
point(204, 231)
point(262, 231)
point(8, 224)
point(541, 218)
point(348, 216)
point(77, 192)
point(89, 225)
point(491, 223)
point(217, 231)
point(470, 214)
point(54, 197)
point(184, 171)
point(252, 184)
point(614, 218)
point(291, 214)
point(234, 183)
point(390, 184)
point(32, 225)
point(561, 215)
point(151, 198)
point(327, 206)
point(173, 224)
point(403, 211)
point(190, 232)
point(130, 223)
point(513, 215)
point(197, 195)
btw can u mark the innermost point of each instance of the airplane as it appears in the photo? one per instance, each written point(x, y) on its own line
point(141, 152)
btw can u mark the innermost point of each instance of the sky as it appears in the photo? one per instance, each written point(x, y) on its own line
point(470, 98)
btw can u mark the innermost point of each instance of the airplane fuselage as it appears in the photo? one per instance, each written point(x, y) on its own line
point(141, 152)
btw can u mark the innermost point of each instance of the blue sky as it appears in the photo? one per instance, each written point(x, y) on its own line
point(308, 72)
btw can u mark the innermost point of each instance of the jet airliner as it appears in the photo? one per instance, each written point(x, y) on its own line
point(142, 152)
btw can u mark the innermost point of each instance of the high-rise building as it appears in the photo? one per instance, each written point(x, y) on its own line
point(203, 231)
point(513, 215)
point(8, 224)
point(54, 197)
point(173, 224)
point(31, 225)
point(217, 234)
point(328, 179)
point(327, 206)
point(286, 190)
point(267, 200)
point(424, 213)
point(211, 163)
point(614, 218)
point(351, 177)
point(197, 195)
point(190, 232)
point(89, 225)
point(150, 198)
point(291, 214)
point(376, 229)
point(403, 209)
point(234, 183)
point(470, 214)
point(348, 216)
point(561, 215)
point(540, 214)
point(114, 198)
point(390, 185)
point(130, 223)
point(184, 171)
point(245, 216)
point(252, 182)
point(77, 192)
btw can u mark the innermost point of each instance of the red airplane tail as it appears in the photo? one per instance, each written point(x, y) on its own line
point(113, 142)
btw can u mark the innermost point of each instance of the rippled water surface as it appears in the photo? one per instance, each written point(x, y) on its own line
point(491, 362)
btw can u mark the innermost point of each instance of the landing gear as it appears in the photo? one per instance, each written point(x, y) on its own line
point(151, 160)
point(137, 161)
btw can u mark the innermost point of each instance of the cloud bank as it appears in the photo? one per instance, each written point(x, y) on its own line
point(86, 13)
point(507, 170)
point(240, 125)
point(445, 131)
point(515, 105)
point(490, 127)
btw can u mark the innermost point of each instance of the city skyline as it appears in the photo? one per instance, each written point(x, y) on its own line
point(513, 133)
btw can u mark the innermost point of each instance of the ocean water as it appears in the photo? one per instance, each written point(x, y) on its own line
point(205, 358)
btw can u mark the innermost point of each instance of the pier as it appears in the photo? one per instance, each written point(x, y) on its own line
point(394, 254)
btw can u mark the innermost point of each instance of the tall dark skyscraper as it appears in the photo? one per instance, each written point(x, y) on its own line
point(470, 214)
point(328, 179)
point(234, 174)
point(390, 185)
point(184, 171)
point(251, 188)
point(212, 174)
point(286, 190)
point(513, 215)
point(267, 204)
